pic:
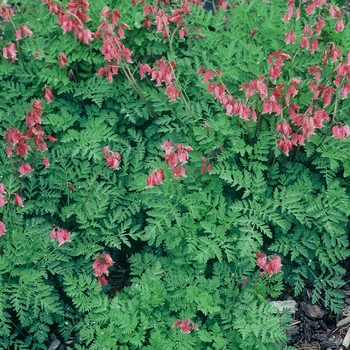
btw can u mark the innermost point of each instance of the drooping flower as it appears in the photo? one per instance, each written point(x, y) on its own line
point(112, 158)
point(61, 235)
point(340, 132)
point(185, 325)
point(46, 162)
point(48, 94)
point(62, 59)
point(2, 229)
point(25, 169)
point(155, 178)
point(102, 280)
point(273, 266)
point(18, 200)
point(179, 171)
point(9, 52)
point(2, 201)
point(101, 265)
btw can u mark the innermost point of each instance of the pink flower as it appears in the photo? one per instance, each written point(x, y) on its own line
point(10, 52)
point(112, 158)
point(319, 26)
point(102, 280)
point(6, 13)
point(171, 159)
point(290, 38)
point(48, 95)
point(201, 70)
point(172, 92)
point(18, 200)
point(208, 76)
point(340, 132)
point(2, 229)
point(101, 265)
point(272, 267)
point(327, 95)
point(60, 234)
point(275, 72)
point(2, 201)
point(314, 46)
point(182, 152)
point(2, 188)
point(25, 169)
point(62, 59)
point(46, 162)
point(26, 31)
point(155, 178)
point(185, 325)
point(284, 145)
point(345, 89)
point(339, 26)
point(335, 53)
point(304, 43)
point(179, 171)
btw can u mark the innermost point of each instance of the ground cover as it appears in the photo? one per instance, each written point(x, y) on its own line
point(168, 171)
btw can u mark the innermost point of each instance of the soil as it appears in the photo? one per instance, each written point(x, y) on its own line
point(315, 327)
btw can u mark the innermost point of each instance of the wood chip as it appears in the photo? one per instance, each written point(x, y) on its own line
point(285, 304)
point(344, 322)
point(346, 340)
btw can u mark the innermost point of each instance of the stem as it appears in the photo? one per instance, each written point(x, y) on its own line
point(292, 62)
point(134, 85)
point(171, 39)
point(93, 183)
point(90, 51)
point(133, 82)
point(296, 153)
point(332, 120)
point(17, 42)
point(193, 175)
point(249, 134)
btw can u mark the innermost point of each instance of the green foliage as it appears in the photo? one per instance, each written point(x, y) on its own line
point(190, 242)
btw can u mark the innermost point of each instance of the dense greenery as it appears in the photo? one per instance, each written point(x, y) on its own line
point(223, 142)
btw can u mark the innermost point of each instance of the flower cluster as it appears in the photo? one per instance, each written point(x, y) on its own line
point(291, 7)
point(72, 19)
point(340, 132)
point(162, 73)
point(6, 13)
point(61, 235)
point(48, 93)
point(112, 48)
point(9, 52)
point(161, 19)
point(272, 267)
point(276, 61)
point(101, 265)
point(232, 105)
point(17, 198)
point(185, 325)
point(62, 59)
point(155, 178)
point(176, 157)
point(23, 30)
point(205, 166)
point(16, 141)
point(335, 12)
point(112, 158)
point(2, 229)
